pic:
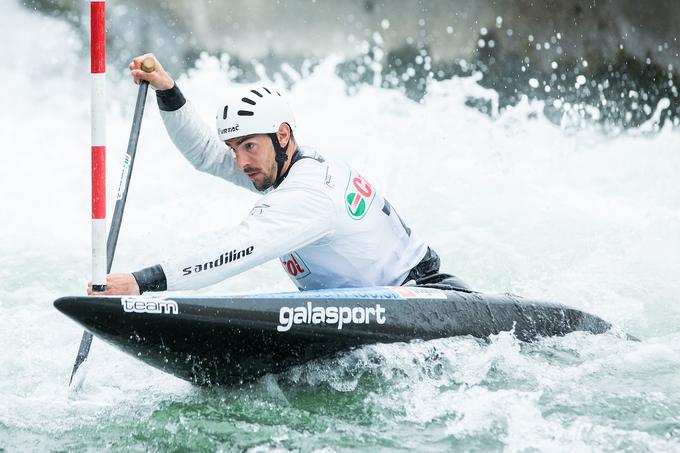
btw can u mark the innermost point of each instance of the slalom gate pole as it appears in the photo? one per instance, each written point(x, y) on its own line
point(102, 261)
point(117, 218)
point(98, 156)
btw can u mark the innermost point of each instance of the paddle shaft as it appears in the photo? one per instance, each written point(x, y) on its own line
point(117, 219)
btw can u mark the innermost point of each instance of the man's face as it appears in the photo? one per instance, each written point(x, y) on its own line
point(255, 156)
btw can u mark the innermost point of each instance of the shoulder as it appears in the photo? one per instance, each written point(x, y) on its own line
point(306, 182)
point(309, 169)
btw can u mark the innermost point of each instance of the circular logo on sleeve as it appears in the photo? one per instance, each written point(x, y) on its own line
point(358, 196)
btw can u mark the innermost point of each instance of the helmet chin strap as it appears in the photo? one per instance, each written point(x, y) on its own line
point(280, 156)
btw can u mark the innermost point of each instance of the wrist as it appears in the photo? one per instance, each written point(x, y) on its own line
point(151, 279)
point(171, 99)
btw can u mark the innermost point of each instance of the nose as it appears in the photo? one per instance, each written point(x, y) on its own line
point(241, 160)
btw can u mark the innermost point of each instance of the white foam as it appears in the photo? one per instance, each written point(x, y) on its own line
point(511, 203)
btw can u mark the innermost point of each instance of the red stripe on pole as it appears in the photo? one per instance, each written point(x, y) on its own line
point(99, 182)
point(98, 37)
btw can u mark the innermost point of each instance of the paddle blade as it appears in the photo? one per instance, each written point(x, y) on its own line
point(78, 372)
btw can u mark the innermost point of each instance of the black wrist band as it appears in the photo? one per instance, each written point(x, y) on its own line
point(151, 279)
point(170, 100)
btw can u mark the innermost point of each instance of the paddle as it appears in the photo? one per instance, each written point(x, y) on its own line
point(86, 341)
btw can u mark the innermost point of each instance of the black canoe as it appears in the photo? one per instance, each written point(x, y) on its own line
point(232, 339)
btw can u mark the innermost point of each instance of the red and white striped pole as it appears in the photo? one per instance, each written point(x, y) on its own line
point(103, 249)
point(98, 105)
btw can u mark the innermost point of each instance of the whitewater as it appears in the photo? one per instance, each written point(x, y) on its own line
point(511, 202)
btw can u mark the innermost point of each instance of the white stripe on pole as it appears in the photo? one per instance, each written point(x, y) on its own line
point(99, 252)
point(98, 104)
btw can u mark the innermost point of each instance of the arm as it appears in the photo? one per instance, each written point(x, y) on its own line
point(282, 222)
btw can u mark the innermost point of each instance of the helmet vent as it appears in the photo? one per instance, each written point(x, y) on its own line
point(248, 101)
point(265, 89)
point(224, 113)
point(256, 92)
point(245, 113)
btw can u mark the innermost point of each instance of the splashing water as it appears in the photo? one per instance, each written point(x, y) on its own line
point(510, 202)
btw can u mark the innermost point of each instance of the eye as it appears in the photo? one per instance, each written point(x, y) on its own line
point(249, 146)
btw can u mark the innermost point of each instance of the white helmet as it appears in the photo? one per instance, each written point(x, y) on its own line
point(257, 110)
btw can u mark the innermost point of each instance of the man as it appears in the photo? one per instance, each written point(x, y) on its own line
point(327, 224)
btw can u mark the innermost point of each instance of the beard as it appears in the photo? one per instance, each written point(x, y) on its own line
point(267, 178)
point(265, 184)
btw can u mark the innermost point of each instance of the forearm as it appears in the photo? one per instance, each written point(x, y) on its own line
point(264, 235)
point(226, 254)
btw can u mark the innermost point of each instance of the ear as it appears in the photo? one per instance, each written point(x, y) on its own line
point(283, 134)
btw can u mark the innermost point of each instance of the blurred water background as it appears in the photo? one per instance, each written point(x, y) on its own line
point(533, 144)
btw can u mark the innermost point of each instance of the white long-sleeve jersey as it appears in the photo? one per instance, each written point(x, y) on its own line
point(326, 223)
